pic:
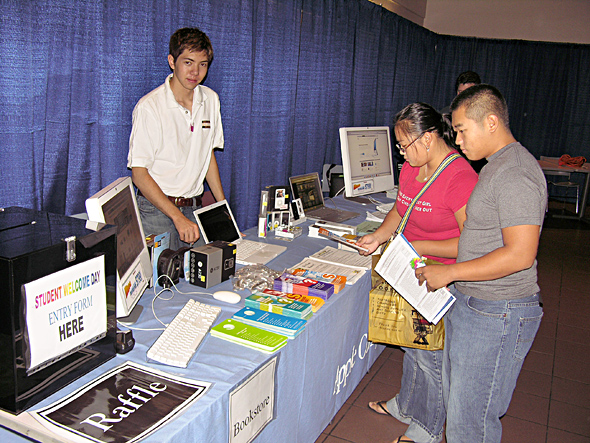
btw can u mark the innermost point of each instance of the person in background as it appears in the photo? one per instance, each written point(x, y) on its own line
point(175, 129)
point(465, 80)
point(425, 139)
point(491, 326)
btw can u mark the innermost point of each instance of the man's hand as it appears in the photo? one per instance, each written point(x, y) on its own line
point(435, 276)
point(188, 231)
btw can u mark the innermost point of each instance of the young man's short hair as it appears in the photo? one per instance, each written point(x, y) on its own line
point(192, 39)
point(480, 101)
point(467, 77)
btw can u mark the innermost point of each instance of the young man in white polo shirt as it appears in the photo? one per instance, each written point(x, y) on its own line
point(175, 129)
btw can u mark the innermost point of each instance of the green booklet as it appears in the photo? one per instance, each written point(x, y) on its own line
point(248, 335)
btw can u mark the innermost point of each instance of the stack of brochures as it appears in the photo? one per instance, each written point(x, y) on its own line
point(304, 286)
point(339, 281)
point(269, 321)
point(315, 302)
point(367, 227)
point(279, 305)
point(250, 336)
point(330, 260)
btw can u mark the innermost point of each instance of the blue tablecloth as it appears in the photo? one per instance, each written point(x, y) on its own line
point(316, 372)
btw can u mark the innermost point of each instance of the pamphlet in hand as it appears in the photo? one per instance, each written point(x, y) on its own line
point(396, 266)
point(345, 241)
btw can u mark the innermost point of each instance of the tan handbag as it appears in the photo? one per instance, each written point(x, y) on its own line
point(392, 320)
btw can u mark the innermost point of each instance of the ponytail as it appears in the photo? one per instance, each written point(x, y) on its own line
point(418, 118)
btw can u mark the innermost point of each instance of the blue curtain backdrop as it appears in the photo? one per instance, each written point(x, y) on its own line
point(289, 73)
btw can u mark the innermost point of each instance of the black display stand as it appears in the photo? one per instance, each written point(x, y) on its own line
point(33, 245)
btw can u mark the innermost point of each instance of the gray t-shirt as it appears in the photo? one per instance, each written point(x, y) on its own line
point(511, 191)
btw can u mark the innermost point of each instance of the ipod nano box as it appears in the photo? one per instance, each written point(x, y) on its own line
point(228, 258)
point(263, 203)
point(262, 226)
point(278, 198)
point(205, 266)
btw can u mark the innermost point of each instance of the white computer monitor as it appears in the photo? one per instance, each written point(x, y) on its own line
point(116, 205)
point(367, 161)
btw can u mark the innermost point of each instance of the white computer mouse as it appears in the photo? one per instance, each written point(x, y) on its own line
point(227, 296)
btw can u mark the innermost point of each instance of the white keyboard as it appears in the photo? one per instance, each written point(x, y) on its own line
point(245, 248)
point(181, 338)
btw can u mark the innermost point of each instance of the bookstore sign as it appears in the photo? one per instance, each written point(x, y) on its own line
point(251, 405)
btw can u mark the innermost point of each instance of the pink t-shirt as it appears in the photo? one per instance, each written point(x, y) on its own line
point(433, 217)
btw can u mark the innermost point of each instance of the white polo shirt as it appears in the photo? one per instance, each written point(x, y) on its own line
point(174, 144)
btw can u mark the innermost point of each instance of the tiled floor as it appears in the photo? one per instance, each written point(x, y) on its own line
point(551, 402)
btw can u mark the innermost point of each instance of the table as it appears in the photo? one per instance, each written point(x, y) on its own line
point(549, 164)
point(308, 393)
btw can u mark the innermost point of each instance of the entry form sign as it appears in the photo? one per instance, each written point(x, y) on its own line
point(63, 312)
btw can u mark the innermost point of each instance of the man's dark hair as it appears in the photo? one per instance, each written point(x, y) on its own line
point(480, 101)
point(467, 77)
point(192, 39)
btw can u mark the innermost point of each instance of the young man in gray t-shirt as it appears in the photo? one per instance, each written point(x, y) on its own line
point(491, 326)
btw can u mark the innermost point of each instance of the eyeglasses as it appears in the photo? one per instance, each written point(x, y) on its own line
point(403, 150)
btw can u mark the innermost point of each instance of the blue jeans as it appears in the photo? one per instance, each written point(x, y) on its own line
point(156, 222)
point(420, 400)
point(485, 345)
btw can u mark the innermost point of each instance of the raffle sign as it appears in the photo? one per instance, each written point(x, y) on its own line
point(126, 404)
point(64, 311)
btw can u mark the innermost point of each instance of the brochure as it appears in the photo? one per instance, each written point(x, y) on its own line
point(345, 241)
point(343, 258)
point(352, 274)
point(395, 266)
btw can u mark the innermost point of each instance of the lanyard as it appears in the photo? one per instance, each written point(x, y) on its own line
point(402, 224)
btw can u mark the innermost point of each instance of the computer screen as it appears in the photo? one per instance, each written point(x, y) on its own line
point(217, 222)
point(367, 161)
point(116, 205)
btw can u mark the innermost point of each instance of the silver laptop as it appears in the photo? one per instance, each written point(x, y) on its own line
point(216, 222)
point(307, 187)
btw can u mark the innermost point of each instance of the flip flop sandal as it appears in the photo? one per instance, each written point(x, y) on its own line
point(380, 405)
point(399, 440)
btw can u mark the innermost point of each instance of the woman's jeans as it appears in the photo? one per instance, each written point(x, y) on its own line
point(420, 400)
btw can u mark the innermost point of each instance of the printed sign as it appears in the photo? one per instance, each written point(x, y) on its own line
point(64, 311)
point(251, 405)
point(125, 404)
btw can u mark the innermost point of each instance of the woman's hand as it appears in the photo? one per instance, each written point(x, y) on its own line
point(369, 241)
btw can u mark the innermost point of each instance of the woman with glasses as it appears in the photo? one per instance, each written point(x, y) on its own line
point(425, 138)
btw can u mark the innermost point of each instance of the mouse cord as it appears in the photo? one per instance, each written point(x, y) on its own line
point(159, 295)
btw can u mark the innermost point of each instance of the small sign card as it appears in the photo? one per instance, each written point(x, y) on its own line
point(252, 404)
